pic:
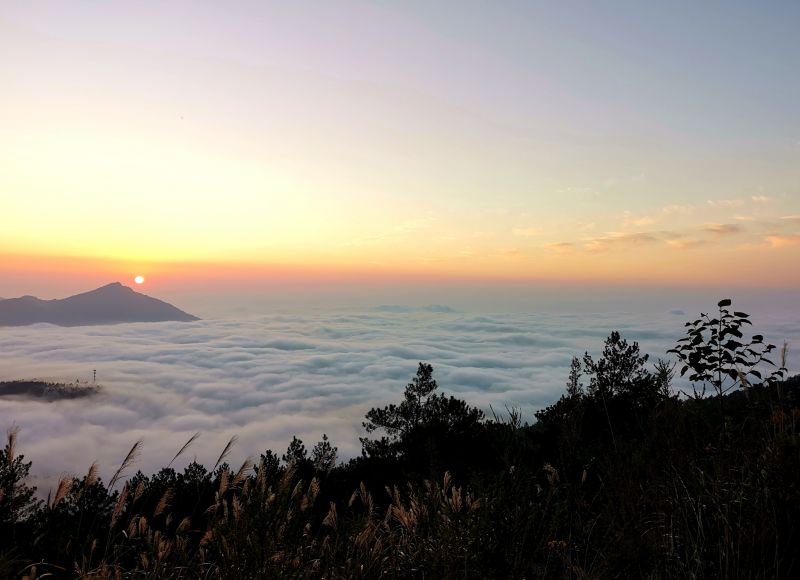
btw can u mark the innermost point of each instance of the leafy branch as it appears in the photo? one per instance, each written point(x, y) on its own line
point(715, 352)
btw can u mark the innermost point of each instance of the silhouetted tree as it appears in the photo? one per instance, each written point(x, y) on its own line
point(430, 431)
point(716, 352)
point(324, 455)
point(420, 407)
point(270, 463)
point(620, 368)
point(574, 384)
point(296, 453)
point(17, 500)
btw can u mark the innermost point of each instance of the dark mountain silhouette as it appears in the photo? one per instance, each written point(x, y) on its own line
point(110, 304)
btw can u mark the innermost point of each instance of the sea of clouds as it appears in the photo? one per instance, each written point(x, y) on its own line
point(267, 378)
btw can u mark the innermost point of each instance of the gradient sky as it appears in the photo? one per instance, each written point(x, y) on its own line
point(559, 142)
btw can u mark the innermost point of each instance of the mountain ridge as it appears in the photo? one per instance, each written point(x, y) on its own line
point(113, 303)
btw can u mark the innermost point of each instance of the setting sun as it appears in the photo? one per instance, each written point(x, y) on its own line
point(139, 279)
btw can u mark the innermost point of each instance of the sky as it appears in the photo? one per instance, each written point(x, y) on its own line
point(256, 145)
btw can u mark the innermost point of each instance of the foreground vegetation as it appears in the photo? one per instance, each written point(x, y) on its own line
point(623, 477)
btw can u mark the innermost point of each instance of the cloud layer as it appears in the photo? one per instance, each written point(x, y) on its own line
point(266, 379)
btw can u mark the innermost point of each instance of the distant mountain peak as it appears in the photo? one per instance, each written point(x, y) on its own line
point(110, 304)
point(114, 287)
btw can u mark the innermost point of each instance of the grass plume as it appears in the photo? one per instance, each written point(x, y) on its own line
point(186, 445)
point(126, 463)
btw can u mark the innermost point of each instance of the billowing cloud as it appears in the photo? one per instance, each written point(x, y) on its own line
point(268, 378)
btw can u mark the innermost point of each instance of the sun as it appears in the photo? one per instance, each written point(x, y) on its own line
point(139, 279)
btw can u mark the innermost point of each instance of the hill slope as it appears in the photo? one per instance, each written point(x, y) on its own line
point(110, 304)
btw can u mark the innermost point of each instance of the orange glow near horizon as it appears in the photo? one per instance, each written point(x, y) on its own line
point(60, 275)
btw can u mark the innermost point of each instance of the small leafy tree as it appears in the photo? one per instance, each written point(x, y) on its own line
point(715, 352)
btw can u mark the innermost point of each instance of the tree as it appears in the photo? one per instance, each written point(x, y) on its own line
point(715, 352)
point(620, 376)
point(620, 369)
point(398, 420)
point(17, 502)
point(324, 455)
point(296, 453)
point(76, 520)
point(574, 384)
point(421, 409)
point(270, 463)
point(561, 411)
